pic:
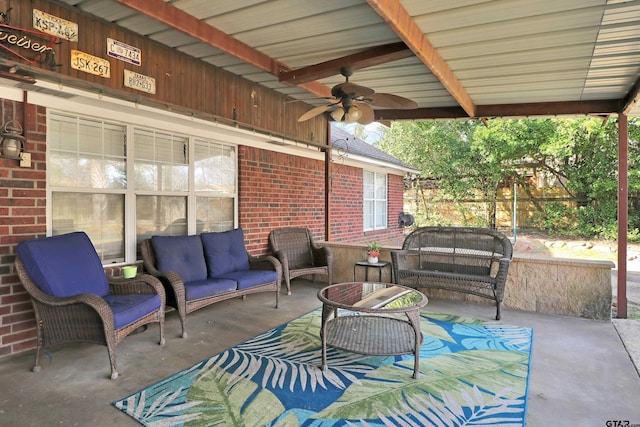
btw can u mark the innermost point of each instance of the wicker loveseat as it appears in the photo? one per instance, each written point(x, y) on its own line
point(299, 255)
point(203, 269)
point(470, 260)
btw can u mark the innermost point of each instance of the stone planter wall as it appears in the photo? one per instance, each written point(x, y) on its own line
point(580, 288)
point(572, 287)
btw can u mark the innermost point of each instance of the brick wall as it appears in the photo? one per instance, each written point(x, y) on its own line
point(346, 209)
point(394, 234)
point(22, 216)
point(283, 190)
point(278, 190)
point(346, 204)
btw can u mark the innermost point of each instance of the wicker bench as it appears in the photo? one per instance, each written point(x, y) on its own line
point(207, 268)
point(469, 260)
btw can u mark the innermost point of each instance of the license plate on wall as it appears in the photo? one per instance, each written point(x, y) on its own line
point(139, 82)
point(84, 62)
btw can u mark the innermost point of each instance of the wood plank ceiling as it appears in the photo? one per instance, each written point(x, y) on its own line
point(454, 58)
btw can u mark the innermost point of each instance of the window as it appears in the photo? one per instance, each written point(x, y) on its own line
point(120, 192)
point(87, 179)
point(215, 185)
point(161, 182)
point(375, 200)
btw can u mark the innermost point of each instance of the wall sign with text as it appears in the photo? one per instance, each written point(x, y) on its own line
point(139, 82)
point(87, 63)
point(124, 52)
point(28, 45)
point(55, 26)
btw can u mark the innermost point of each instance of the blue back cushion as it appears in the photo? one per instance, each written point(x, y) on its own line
point(64, 265)
point(225, 252)
point(181, 254)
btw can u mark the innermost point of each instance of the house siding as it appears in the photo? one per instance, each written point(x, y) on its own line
point(183, 83)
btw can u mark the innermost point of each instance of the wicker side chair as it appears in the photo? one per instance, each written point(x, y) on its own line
point(299, 254)
point(74, 300)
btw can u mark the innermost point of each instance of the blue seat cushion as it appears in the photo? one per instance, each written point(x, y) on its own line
point(180, 254)
point(64, 265)
point(208, 287)
point(129, 308)
point(225, 252)
point(250, 278)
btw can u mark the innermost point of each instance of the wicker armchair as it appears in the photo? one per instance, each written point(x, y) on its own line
point(74, 300)
point(299, 255)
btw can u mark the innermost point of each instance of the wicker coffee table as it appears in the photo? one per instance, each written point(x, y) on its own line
point(369, 328)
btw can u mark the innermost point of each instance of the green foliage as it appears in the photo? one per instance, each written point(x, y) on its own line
point(556, 218)
point(633, 236)
point(469, 160)
point(441, 149)
point(598, 220)
point(373, 246)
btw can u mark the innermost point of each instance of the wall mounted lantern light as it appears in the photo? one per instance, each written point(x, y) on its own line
point(11, 140)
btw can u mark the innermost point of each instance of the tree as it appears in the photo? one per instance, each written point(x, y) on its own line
point(443, 153)
point(466, 158)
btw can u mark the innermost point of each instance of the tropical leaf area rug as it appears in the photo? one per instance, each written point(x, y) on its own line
point(472, 373)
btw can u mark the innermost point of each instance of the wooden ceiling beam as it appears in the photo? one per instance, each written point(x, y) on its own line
point(399, 20)
point(188, 24)
point(421, 114)
point(366, 58)
point(580, 108)
point(632, 98)
point(569, 108)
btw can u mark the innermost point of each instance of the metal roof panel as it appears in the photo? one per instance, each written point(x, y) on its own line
point(514, 51)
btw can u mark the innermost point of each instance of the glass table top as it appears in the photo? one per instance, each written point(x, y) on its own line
point(372, 296)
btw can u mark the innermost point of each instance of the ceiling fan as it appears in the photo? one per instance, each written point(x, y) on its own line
point(352, 103)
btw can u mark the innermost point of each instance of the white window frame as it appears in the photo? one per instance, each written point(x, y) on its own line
point(379, 201)
point(130, 192)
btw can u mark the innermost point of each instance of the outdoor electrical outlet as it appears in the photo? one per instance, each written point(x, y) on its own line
point(25, 160)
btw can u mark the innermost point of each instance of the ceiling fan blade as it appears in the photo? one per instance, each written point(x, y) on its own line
point(316, 111)
point(351, 89)
point(368, 116)
point(388, 100)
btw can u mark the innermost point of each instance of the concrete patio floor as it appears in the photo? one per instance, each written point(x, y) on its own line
point(581, 374)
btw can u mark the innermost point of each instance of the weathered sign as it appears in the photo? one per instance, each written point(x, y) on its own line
point(139, 82)
point(87, 63)
point(55, 26)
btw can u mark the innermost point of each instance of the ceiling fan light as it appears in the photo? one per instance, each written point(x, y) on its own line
point(353, 115)
point(337, 114)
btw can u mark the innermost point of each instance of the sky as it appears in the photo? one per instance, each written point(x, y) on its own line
point(373, 131)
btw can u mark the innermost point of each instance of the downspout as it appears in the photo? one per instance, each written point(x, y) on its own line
point(327, 185)
point(623, 212)
point(25, 99)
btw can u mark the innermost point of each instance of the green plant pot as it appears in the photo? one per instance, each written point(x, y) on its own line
point(130, 271)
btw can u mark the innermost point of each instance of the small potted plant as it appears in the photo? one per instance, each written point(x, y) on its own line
point(373, 252)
